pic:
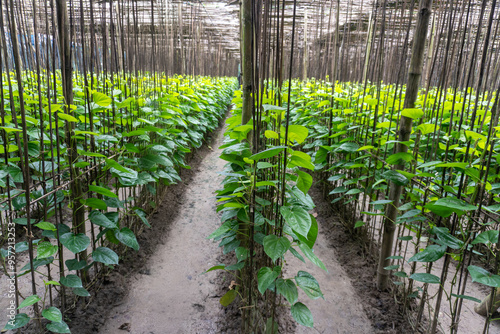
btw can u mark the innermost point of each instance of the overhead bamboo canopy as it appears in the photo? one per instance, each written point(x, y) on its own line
point(204, 36)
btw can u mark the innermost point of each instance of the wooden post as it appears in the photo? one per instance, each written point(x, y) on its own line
point(405, 123)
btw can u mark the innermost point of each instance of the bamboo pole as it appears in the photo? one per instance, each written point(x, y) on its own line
point(246, 59)
point(305, 63)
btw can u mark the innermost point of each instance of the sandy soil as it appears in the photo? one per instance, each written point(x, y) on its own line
point(341, 311)
point(171, 294)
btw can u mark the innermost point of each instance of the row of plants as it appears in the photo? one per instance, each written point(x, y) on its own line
point(133, 135)
point(347, 134)
point(265, 218)
point(449, 208)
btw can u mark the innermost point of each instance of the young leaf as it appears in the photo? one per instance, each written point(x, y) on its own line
point(412, 113)
point(29, 301)
point(101, 99)
point(304, 181)
point(46, 226)
point(298, 133)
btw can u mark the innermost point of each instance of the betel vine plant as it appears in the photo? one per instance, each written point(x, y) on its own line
point(265, 216)
point(127, 160)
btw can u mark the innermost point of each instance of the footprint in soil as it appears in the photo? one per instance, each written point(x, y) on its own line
point(145, 271)
point(199, 308)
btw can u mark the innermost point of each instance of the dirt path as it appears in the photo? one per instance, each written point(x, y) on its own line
point(171, 295)
point(341, 311)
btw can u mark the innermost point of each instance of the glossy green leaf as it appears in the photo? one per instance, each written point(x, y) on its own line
point(395, 177)
point(483, 276)
point(297, 218)
point(52, 314)
point(266, 276)
point(302, 314)
point(301, 159)
point(105, 255)
point(127, 237)
point(45, 249)
point(276, 247)
point(102, 191)
point(311, 256)
point(288, 289)
point(95, 203)
point(399, 158)
point(271, 152)
point(74, 264)
point(486, 237)
point(20, 320)
point(58, 327)
point(100, 219)
point(46, 226)
point(348, 147)
point(81, 292)
point(425, 278)
point(430, 254)
point(29, 301)
point(309, 284)
point(71, 281)
point(76, 243)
